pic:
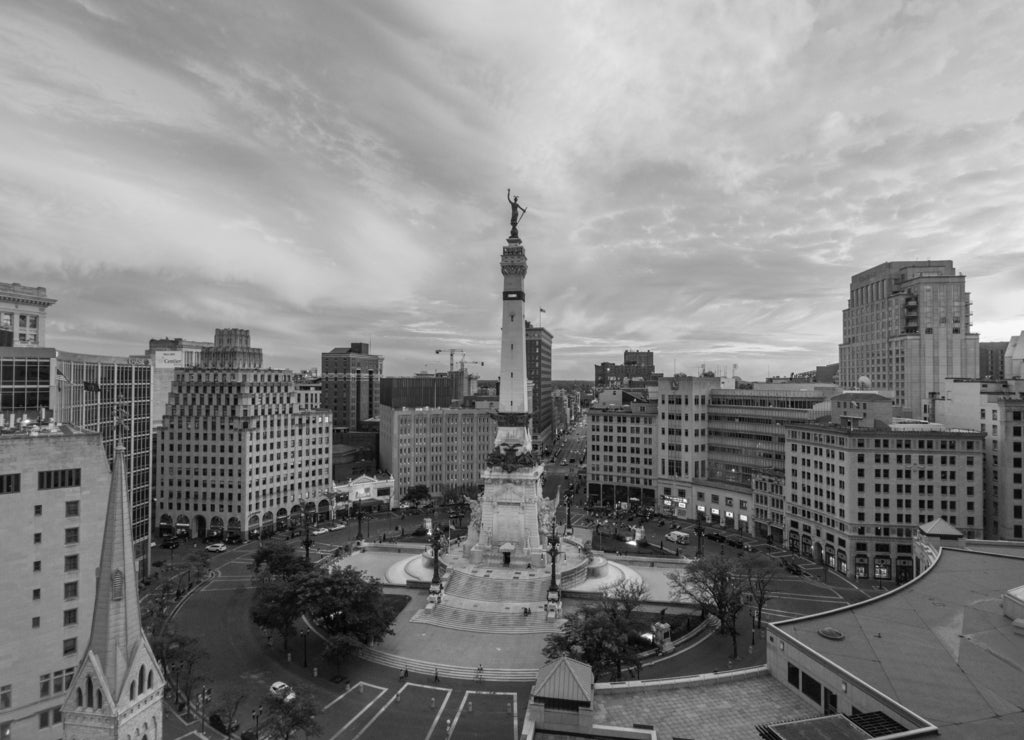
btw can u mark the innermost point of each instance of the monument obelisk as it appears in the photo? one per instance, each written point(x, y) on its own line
point(507, 523)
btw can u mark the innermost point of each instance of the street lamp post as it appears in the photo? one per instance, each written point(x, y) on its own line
point(256, 718)
point(699, 531)
point(359, 521)
point(305, 652)
point(753, 627)
point(202, 700)
point(307, 540)
point(553, 552)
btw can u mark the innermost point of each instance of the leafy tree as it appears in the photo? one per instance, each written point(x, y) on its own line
point(339, 647)
point(285, 718)
point(198, 562)
point(346, 602)
point(418, 495)
point(276, 558)
point(716, 584)
point(760, 574)
point(185, 657)
point(276, 605)
point(597, 636)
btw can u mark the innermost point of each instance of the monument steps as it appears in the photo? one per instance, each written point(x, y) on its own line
point(526, 587)
point(475, 620)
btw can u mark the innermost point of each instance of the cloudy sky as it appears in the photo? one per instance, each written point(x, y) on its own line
point(702, 178)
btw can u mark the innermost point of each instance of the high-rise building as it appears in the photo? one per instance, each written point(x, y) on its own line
point(538, 371)
point(54, 482)
point(351, 384)
point(436, 390)
point(860, 481)
point(166, 356)
point(118, 688)
point(23, 315)
point(908, 327)
point(240, 449)
point(621, 453)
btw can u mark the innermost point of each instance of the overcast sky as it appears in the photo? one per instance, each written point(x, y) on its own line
point(702, 178)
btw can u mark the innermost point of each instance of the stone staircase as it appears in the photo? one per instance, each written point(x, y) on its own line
point(522, 587)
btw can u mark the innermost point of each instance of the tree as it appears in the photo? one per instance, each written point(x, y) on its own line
point(760, 575)
point(339, 647)
point(716, 584)
point(418, 495)
point(228, 705)
point(346, 602)
point(276, 605)
point(285, 718)
point(596, 636)
point(278, 559)
point(185, 657)
point(198, 562)
point(626, 594)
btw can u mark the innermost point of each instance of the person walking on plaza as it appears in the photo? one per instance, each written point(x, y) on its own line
point(437, 677)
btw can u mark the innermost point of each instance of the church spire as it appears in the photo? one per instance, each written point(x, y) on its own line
point(118, 681)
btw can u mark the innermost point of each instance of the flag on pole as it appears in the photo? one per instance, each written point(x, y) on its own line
point(62, 376)
point(543, 311)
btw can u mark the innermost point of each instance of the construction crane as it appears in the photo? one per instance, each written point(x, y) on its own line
point(451, 359)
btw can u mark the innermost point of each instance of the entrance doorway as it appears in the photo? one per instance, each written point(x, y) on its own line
point(506, 558)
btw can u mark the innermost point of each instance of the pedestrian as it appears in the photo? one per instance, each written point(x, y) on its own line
point(480, 672)
point(437, 677)
point(405, 673)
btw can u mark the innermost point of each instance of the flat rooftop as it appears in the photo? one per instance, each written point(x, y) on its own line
point(940, 646)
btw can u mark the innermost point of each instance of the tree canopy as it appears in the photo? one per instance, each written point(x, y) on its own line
point(717, 584)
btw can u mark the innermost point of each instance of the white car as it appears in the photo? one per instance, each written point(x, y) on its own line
point(681, 538)
point(336, 526)
point(320, 530)
point(217, 547)
point(282, 691)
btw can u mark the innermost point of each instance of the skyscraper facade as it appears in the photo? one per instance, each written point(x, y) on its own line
point(240, 450)
point(351, 384)
point(538, 370)
point(907, 327)
point(23, 315)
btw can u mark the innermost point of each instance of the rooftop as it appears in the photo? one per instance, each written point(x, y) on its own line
point(940, 646)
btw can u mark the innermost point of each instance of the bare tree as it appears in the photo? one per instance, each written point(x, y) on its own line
point(288, 717)
point(760, 579)
point(228, 706)
point(714, 583)
point(626, 594)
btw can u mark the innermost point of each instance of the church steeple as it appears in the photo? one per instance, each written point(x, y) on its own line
point(118, 686)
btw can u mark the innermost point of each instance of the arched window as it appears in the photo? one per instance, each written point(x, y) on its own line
point(116, 585)
point(88, 692)
point(142, 678)
point(99, 699)
point(131, 691)
point(78, 696)
point(149, 680)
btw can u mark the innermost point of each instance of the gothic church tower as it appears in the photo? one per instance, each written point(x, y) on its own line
point(118, 688)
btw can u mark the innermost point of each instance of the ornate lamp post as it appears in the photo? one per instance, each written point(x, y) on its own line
point(553, 595)
point(305, 651)
point(435, 582)
point(359, 521)
point(307, 540)
point(202, 699)
point(753, 626)
point(699, 531)
point(256, 718)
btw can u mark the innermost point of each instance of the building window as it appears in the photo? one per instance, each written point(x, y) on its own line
point(70, 563)
point(52, 479)
point(71, 508)
point(71, 590)
point(71, 536)
point(44, 685)
point(38, 512)
point(5, 696)
point(10, 483)
point(37, 538)
point(70, 645)
point(35, 623)
point(37, 566)
point(70, 617)
point(36, 594)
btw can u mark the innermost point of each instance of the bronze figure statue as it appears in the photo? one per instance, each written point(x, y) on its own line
point(517, 211)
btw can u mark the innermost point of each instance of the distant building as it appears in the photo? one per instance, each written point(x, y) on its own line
point(238, 452)
point(23, 315)
point(991, 360)
point(636, 371)
point(621, 454)
point(444, 449)
point(366, 493)
point(538, 371)
point(419, 391)
point(996, 409)
point(1013, 361)
point(351, 384)
point(861, 481)
point(166, 356)
point(54, 482)
point(907, 328)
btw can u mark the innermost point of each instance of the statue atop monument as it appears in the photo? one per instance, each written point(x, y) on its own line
point(517, 212)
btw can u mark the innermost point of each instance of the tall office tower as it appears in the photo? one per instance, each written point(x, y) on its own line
point(907, 328)
point(54, 482)
point(620, 453)
point(442, 448)
point(861, 481)
point(351, 384)
point(238, 450)
point(97, 393)
point(117, 691)
point(538, 370)
point(23, 315)
point(991, 356)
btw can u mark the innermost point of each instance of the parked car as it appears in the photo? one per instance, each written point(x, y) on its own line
point(217, 547)
point(169, 543)
point(681, 538)
point(734, 541)
point(334, 527)
point(233, 538)
point(319, 531)
point(282, 691)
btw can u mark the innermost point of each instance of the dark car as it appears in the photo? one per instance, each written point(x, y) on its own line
point(220, 724)
point(169, 543)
